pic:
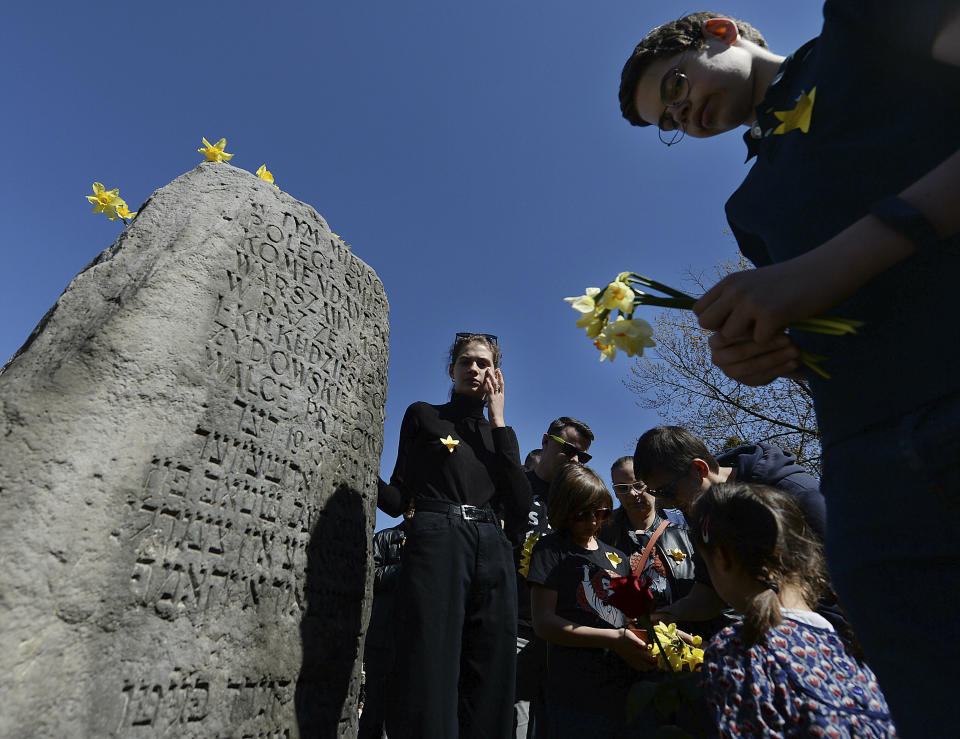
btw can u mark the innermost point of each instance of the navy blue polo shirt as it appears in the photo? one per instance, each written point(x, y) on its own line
point(884, 113)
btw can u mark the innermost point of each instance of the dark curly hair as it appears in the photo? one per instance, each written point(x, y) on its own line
point(669, 40)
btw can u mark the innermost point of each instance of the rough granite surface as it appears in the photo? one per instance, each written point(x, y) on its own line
point(189, 450)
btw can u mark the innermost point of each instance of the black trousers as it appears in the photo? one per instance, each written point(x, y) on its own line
point(456, 615)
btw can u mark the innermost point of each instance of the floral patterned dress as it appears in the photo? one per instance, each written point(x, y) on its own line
point(797, 681)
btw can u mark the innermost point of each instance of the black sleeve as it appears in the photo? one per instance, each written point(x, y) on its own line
point(385, 570)
point(917, 24)
point(543, 564)
point(805, 489)
point(515, 498)
point(393, 499)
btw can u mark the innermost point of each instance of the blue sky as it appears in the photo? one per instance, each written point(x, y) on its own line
point(472, 154)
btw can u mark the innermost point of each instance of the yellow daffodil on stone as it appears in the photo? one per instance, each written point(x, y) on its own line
point(614, 559)
point(124, 212)
point(215, 152)
point(677, 554)
point(105, 201)
point(265, 174)
point(450, 443)
point(799, 117)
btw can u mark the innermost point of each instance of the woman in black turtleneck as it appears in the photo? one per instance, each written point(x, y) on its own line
point(456, 601)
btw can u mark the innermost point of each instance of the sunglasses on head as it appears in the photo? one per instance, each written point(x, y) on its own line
point(571, 451)
point(601, 514)
point(467, 334)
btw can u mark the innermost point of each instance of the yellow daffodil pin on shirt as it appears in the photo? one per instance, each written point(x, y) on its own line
point(678, 556)
point(799, 117)
point(614, 559)
point(215, 152)
point(450, 443)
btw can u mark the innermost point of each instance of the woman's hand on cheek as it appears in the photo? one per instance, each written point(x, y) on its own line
point(493, 387)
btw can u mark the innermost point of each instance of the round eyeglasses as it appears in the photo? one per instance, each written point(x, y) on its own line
point(674, 92)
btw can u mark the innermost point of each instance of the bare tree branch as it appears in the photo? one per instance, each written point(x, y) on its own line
point(686, 389)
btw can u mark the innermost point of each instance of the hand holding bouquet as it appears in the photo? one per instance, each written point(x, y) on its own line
point(608, 317)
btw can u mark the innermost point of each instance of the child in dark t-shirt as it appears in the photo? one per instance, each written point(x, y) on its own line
point(591, 652)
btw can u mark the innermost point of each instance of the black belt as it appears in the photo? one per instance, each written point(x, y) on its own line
point(466, 512)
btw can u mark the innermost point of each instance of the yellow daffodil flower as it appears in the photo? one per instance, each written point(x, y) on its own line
point(619, 296)
point(450, 443)
point(124, 212)
point(528, 545)
point(265, 174)
point(585, 303)
point(799, 117)
point(631, 335)
point(215, 152)
point(592, 324)
point(607, 351)
point(677, 554)
point(105, 201)
point(614, 559)
point(679, 654)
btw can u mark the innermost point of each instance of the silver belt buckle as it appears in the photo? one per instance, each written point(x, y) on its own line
point(469, 512)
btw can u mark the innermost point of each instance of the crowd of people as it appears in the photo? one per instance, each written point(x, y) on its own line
point(498, 580)
point(501, 622)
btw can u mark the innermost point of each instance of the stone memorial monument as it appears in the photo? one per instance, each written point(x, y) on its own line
point(189, 450)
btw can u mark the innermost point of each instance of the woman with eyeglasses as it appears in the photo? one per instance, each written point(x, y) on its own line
point(455, 613)
point(592, 655)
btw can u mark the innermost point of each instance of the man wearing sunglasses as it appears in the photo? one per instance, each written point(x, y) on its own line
point(677, 467)
point(566, 440)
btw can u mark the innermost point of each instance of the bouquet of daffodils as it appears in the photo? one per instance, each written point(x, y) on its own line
point(672, 652)
point(608, 317)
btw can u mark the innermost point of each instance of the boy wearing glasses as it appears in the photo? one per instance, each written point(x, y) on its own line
point(851, 209)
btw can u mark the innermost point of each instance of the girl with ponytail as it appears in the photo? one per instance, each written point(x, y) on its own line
point(782, 670)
